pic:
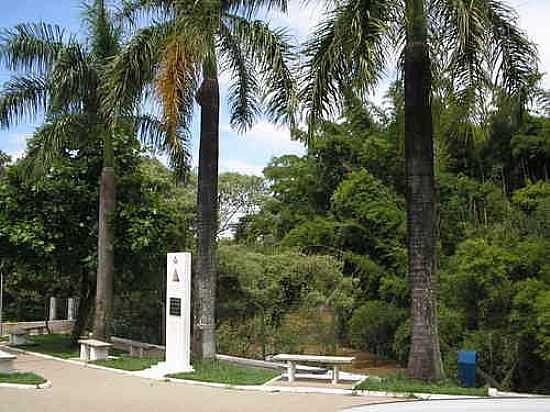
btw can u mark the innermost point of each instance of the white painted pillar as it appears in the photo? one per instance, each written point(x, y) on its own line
point(53, 308)
point(178, 312)
point(71, 309)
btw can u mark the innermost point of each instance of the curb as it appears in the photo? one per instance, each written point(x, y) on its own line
point(45, 385)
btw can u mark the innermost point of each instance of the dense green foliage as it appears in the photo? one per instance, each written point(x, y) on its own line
point(345, 199)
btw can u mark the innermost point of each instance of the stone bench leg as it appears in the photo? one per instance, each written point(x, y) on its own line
point(335, 375)
point(17, 340)
point(6, 366)
point(98, 353)
point(136, 352)
point(84, 352)
point(291, 371)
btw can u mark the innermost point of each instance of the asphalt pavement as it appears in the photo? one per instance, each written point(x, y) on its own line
point(462, 405)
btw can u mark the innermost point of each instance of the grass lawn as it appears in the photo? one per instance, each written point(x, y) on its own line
point(54, 345)
point(401, 383)
point(224, 372)
point(22, 378)
point(128, 363)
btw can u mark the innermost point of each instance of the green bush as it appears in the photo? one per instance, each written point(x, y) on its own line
point(373, 326)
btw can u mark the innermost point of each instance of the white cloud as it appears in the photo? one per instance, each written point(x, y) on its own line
point(533, 18)
point(268, 136)
point(301, 18)
point(241, 167)
point(14, 144)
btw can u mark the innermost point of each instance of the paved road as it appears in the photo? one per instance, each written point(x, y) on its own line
point(463, 405)
point(80, 389)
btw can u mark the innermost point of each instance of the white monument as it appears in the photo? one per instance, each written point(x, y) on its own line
point(178, 318)
point(178, 312)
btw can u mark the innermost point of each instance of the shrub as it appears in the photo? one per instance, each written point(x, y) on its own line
point(373, 326)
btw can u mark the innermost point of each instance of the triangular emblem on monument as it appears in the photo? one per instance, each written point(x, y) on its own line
point(175, 277)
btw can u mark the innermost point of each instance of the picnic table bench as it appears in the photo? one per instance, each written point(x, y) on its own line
point(6, 362)
point(334, 361)
point(93, 349)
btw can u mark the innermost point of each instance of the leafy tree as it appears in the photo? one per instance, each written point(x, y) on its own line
point(239, 195)
point(181, 52)
point(489, 47)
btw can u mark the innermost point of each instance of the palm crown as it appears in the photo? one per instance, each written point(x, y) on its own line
point(188, 40)
point(475, 46)
point(63, 80)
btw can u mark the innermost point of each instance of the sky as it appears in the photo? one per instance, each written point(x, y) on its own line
point(246, 153)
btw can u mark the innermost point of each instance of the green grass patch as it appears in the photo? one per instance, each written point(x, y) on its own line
point(128, 363)
point(60, 346)
point(401, 383)
point(22, 378)
point(223, 372)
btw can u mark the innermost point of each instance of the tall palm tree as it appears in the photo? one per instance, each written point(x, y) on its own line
point(179, 56)
point(62, 79)
point(477, 45)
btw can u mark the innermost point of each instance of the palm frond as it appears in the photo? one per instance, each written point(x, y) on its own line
point(75, 77)
point(23, 98)
point(347, 51)
point(104, 34)
point(244, 90)
point(251, 7)
point(52, 140)
point(488, 47)
point(133, 69)
point(31, 47)
point(154, 133)
point(270, 53)
point(130, 11)
point(177, 81)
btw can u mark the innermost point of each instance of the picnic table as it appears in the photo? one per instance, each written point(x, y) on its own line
point(334, 361)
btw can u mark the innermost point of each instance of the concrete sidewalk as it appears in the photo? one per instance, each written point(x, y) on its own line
point(77, 388)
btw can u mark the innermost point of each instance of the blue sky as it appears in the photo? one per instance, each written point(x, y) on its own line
point(247, 153)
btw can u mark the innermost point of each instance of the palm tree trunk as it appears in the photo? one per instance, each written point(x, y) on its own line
point(425, 355)
point(205, 283)
point(107, 206)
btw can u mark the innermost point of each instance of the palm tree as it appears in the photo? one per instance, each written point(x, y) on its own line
point(180, 56)
point(63, 80)
point(477, 45)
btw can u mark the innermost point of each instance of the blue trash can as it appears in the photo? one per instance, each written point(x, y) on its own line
point(467, 365)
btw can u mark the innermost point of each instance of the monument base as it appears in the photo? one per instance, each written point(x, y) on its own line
point(161, 369)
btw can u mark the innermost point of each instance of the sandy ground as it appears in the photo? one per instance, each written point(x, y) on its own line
point(77, 388)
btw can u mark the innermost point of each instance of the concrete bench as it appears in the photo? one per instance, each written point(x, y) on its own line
point(19, 337)
point(93, 349)
point(334, 361)
point(6, 362)
point(134, 348)
point(40, 329)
